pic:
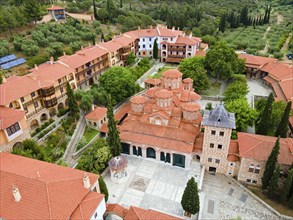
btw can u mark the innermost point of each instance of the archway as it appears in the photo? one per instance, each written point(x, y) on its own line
point(151, 153)
point(60, 106)
point(44, 117)
point(164, 46)
point(196, 158)
point(164, 53)
point(34, 124)
point(17, 145)
point(52, 112)
point(164, 60)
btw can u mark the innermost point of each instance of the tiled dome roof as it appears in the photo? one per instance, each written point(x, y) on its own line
point(193, 96)
point(187, 80)
point(164, 94)
point(172, 73)
point(138, 99)
point(191, 107)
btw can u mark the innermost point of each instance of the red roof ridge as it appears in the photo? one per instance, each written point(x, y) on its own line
point(48, 200)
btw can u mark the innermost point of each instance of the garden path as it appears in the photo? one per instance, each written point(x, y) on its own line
point(265, 50)
point(280, 18)
point(285, 46)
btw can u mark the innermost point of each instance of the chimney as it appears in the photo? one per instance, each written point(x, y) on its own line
point(190, 35)
point(86, 181)
point(93, 107)
point(178, 29)
point(183, 34)
point(51, 60)
point(173, 28)
point(16, 194)
point(138, 27)
point(4, 79)
point(64, 54)
point(36, 67)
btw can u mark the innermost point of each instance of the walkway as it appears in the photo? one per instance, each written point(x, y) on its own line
point(70, 149)
point(80, 16)
point(265, 50)
point(150, 72)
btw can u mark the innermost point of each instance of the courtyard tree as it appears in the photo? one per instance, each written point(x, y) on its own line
point(155, 49)
point(95, 10)
point(103, 188)
point(264, 124)
point(119, 83)
point(273, 185)
point(283, 125)
point(96, 157)
point(222, 62)
point(194, 68)
point(130, 59)
point(113, 133)
point(271, 165)
point(244, 114)
point(32, 10)
point(72, 104)
point(236, 90)
point(190, 198)
point(31, 149)
point(287, 185)
point(85, 100)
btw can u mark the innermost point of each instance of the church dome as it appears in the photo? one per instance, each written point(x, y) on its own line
point(138, 99)
point(172, 74)
point(191, 107)
point(164, 94)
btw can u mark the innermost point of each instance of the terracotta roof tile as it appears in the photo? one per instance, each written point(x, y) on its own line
point(117, 209)
point(255, 61)
point(200, 53)
point(97, 114)
point(153, 81)
point(191, 107)
point(9, 116)
point(138, 99)
point(164, 94)
point(259, 147)
point(56, 7)
point(172, 73)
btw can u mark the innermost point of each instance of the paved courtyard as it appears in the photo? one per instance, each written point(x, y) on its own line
point(226, 200)
point(257, 88)
point(152, 184)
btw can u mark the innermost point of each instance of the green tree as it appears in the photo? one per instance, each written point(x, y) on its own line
point(271, 165)
point(4, 48)
point(103, 188)
point(283, 125)
point(155, 49)
point(190, 198)
point(273, 185)
point(236, 90)
point(96, 157)
point(222, 25)
point(72, 104)
point(291, 202)
point(244, 114)
point(30, 149)
point(130, 59)
point(32, 10)
point(264, 124)
point(194, 68)
point(113, 133)
point(121, 3)
point(95, 10)
point(287, 185)
point(85, 100)
point(119, 83)
point(222, 62)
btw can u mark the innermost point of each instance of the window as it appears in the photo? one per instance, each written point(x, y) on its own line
point(251, 168)
point(254, 181)
point(217, 161)
point(22, 99)
point(143, 39)
point(61, 89)
point(25, 108)
point(213, 132)
point(13, 129)
point(96, 215)
point(210, 160)
point(165, 38)
point(221, 133)
point(150, 46)
point(212, 145)
point(257, 169)
point(231, 164)
point(36, 104)
point(33, 94)
point(59, 80)
point(150, 52)
point(248, 180)
point(171, 38)
point(150, 39)
point(230, 173)
point(95, 124)
point(143, 46)
point(220, 146)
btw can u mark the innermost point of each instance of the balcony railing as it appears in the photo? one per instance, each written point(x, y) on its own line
point(50, 103)
point(177, 49)
point(40, 108)
point(48, 91)
point(176, 56)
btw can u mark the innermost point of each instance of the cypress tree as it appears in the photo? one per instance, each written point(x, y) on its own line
point(269, 14)
point(102, 37)
point(103, 188)
point(95, 10)
point(283, 125)
point(155, 49)
point(287, 185)
point(266, 15)
point(190, 198)
point(72, 104)
point(113, 133)
point(222, 23)
point(274, 182)
point(271, 165)
point(263, 126)
point(121, 3)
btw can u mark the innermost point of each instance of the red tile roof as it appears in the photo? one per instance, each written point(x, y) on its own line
point(278, 71)
point(186, 40)
point(259, 147)
point(97, 114)
point(191, 107)
point(153, 81)
point(233, 153)
point(56, 7)
point(172, 74)
point(164, 94)
point(138, 99)
point(201, 53)
point(48, 191)
point(287, 88)
point(256, 61)
point(9, 116)
point(117, 209)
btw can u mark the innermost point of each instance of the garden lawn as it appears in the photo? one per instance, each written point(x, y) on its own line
point(213, 90)
point(159, 73)
point(274, 204)
point(88, 135)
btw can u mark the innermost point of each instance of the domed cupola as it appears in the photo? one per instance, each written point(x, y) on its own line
point(172, 79)
point(163, 98)
point(190, 111)
point(138, 103)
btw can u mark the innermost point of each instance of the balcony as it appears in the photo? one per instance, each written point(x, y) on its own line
point(60, 85)
point(48, 91)
point(176, 56)
point(125, 50)
point(177, 49)
point(50, 102)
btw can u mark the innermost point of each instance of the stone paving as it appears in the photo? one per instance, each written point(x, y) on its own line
point(152, 184)
point(257, 88)
point(226, 200)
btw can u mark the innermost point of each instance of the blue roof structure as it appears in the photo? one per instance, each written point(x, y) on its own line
point(7, 58)
point(12, 63)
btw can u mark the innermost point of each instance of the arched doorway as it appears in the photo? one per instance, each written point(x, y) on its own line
point(196, 158)
point(164, 54)
point(60, 106)
point(17, 145)
point(34, 124)
point(44, 117)
point(52, 112)
point(151, 153)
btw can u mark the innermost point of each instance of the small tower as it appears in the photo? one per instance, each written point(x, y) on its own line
point(218, 124)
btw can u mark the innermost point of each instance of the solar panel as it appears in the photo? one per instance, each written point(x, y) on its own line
point(13, 63)
point(7, 58)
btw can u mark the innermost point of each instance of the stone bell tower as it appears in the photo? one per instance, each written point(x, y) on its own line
point(218, 124)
